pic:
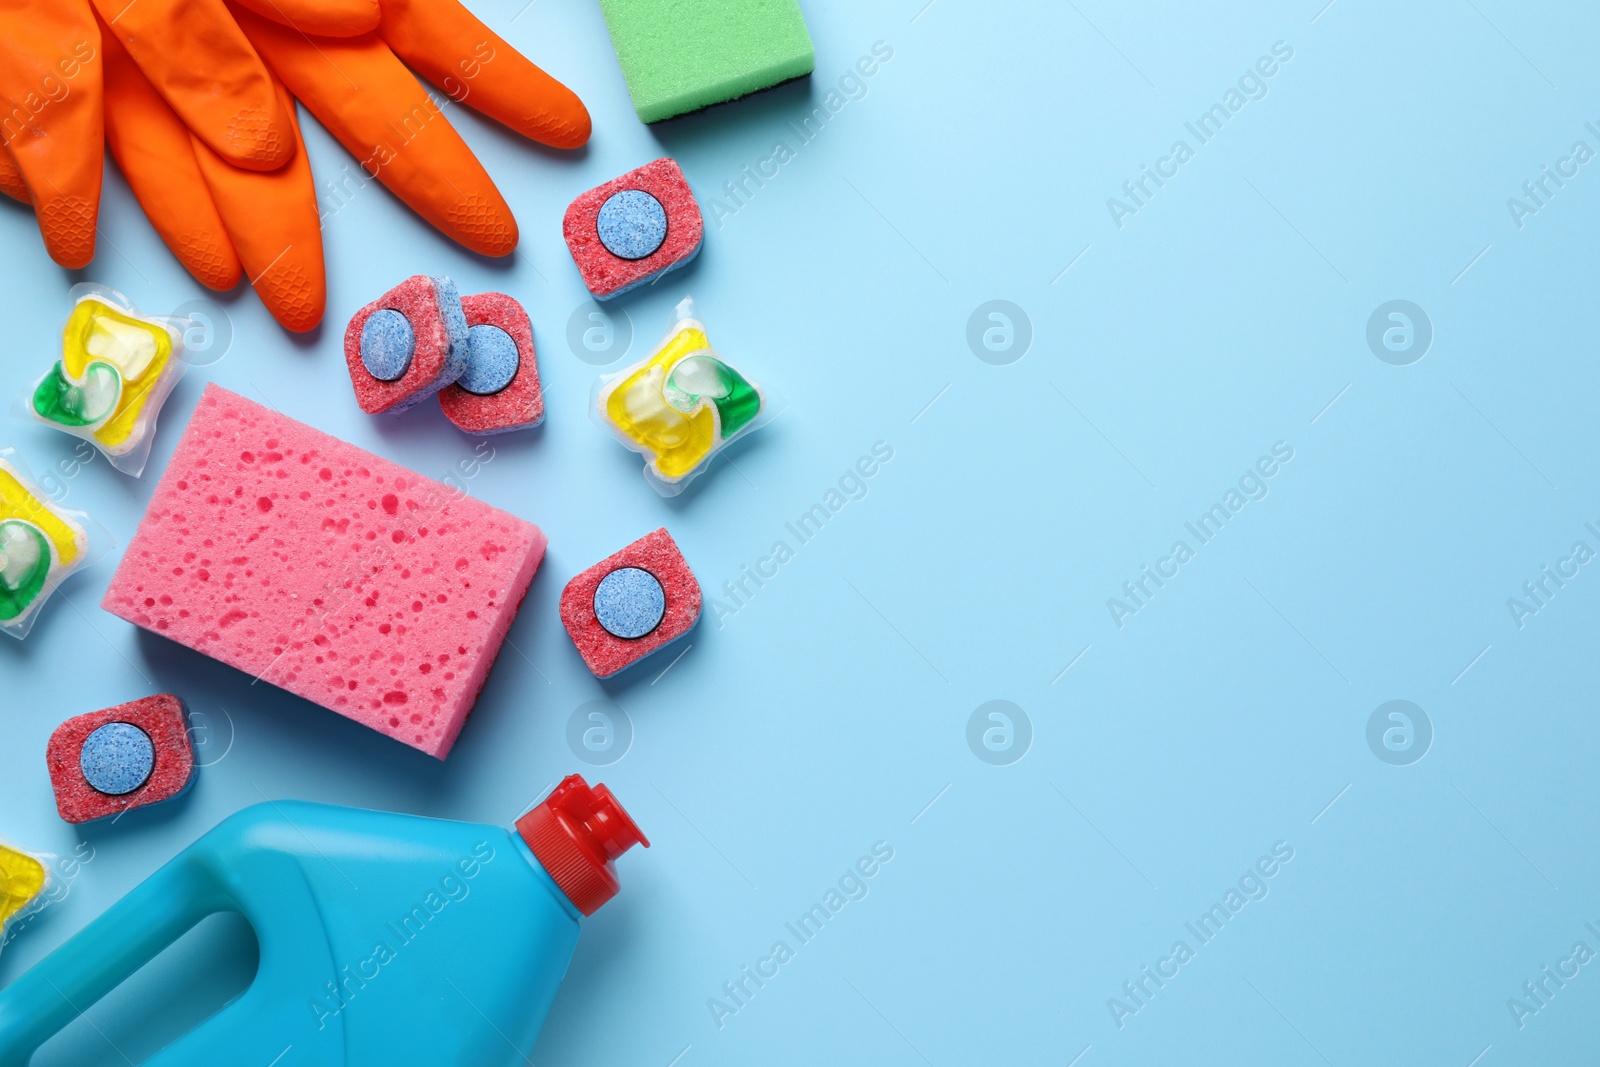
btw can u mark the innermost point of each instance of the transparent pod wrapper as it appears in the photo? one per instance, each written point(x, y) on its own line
point(28, 885)
point(41, 543)
point(117, 368)
point(681, 405)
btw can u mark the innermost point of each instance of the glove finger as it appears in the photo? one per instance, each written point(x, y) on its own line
point(445, 43)
point(374, 106)
point(53, 122)
point(322, 18)
point(151, 145)
point(11, 182)
point(272, 219)
point(194, 54)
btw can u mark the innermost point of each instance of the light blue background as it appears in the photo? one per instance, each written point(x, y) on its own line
point(830, 712)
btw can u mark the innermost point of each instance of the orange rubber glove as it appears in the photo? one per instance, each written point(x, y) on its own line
point(241, 200)
point(194, 54)
point(218, 219)
point(151, 145)
point(52, 125)
point(11, 182)
point(273, 221)
point(442, 41)
point(192, 51)
point(360, 90)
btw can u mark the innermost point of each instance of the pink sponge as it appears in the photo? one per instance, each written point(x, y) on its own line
point(630, 604)
point(406, 345)
point(126, 757)
point(632, 229)
point(321, 568)
point(500, 390)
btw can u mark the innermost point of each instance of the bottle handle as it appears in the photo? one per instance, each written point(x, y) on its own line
point(94, 961)
point(234, 867)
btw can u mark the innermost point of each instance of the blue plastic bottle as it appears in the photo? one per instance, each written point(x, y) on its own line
point(385, 939)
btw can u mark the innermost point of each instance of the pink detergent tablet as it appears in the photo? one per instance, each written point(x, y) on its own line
point(406, 345)
point(499, 391)
point(633, 229)
point(630, 604)
point(129, 756)
point(319, 567)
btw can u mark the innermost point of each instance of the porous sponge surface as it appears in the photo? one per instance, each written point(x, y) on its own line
point(326, 570)
point(682, 55)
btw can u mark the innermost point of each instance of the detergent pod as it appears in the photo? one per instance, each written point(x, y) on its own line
point(681, 405)
point(25, 887)
point(40, 544)
point(116, 369)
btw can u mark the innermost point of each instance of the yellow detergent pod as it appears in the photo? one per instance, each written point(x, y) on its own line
point(20, 501)
point(637, 406)
point(680, 405)
point(39, 546)
point(22, 879)
point(116, 369)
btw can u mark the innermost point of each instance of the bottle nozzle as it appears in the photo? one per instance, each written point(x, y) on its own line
point(576, 833)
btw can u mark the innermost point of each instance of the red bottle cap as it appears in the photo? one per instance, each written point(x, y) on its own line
point(576, 833)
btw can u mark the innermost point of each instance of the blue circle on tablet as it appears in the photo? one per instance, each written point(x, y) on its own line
point(492, 361)
point(387, 342)
point(117, 758)
point(632, 224)
point(629, 602)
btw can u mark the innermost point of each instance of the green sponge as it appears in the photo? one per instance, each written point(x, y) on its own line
point(683, 55)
